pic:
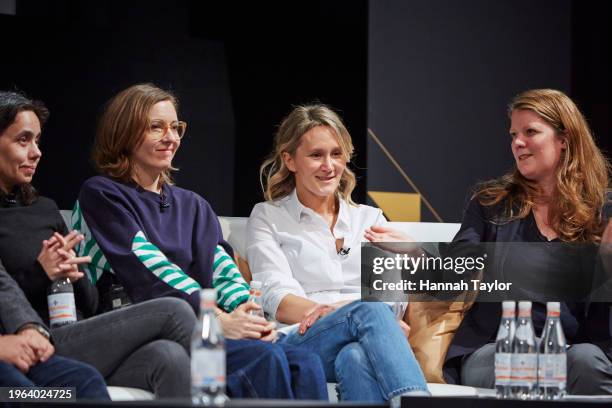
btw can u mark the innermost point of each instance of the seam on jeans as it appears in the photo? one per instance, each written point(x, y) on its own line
point(246, 382)
point(373, 362)
point(410, 388)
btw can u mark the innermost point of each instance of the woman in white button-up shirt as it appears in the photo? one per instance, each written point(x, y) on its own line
point(304, 243)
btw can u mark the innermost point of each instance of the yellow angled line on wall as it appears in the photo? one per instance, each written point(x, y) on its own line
point(404, 207)
point(403, 173)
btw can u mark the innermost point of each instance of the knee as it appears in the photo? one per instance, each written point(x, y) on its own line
point(352, 356)
point(180, 310)
point(370, 311)
point(586, 358)
point(91, 384)
point(589, 370)
point(170, 356)
point(307, 360)
point(273, 354)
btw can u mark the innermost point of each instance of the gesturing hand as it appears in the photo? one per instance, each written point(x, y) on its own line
point(58, 259)
point(314, 314)
point(240, 324)
point(392, 240)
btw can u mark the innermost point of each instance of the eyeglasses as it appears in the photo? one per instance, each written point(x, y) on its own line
point(159, 129)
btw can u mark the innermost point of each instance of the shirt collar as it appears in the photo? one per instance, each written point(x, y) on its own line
point(296, 209)
point(342, 228)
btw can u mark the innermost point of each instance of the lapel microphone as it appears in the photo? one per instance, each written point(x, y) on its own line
point(163, 202)
point(344, 251)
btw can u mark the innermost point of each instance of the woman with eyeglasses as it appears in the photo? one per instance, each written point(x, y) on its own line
point(159, 240)
point(139, 346)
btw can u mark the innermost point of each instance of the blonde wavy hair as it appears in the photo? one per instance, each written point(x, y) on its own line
point(277, 181)
point(582, 177)
point(121, 129)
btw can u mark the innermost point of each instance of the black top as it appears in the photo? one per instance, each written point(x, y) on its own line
point(480, 323)
point(22, 230)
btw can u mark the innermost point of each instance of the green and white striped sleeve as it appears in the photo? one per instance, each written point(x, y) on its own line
point(156, 262)
point(232, 289)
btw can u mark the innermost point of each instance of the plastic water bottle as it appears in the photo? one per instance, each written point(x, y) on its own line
point(255, 296)
point(552, 361)
point(524, 373)
point(60, 300)
point(208, 355)
point(503, 350)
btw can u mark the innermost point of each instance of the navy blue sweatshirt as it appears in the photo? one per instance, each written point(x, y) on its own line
point(153, 251)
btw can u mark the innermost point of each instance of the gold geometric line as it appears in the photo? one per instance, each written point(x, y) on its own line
point(408, 180)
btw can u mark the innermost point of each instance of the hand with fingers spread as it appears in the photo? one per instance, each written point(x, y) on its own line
point(314, 314)
point(16, 350)
point(58, 259)
point(240, 324)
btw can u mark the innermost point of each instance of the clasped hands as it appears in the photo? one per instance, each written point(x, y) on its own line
point(241, 324)
point(58, 258)
point(25, 349)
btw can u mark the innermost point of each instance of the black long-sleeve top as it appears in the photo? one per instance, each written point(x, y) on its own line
point(22, 230)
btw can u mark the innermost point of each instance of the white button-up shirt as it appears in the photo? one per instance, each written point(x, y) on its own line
point(291, 249)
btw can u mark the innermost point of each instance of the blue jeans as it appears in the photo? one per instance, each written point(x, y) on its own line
point(256, 369)
point(364, 350)
point(57, 372)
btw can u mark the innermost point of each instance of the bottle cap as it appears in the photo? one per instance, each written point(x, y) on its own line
point(256, 284)
point(208, 295)
point(508, 308)
point(524, 305)
point(553, 307)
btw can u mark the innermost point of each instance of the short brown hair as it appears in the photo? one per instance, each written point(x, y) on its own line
point(121, 129)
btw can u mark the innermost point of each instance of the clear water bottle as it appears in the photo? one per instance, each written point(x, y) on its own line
point(255, 296)
point(503, 350)
point(524, 373)
point(60, 300)
point(552, 361)
point(208, 355)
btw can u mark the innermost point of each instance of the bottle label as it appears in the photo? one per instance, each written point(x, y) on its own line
point(524, 369)
point(503, 363)
point(62, 309)
point(552, 370)
point(208, 368)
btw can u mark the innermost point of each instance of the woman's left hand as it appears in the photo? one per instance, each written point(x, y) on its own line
point(376, 233)
point(391, 240)
point(58, 258)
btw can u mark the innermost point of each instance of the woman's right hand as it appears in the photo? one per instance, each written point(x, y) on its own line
point(240, 324)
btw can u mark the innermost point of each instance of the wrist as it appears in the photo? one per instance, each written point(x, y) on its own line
point(36, 327)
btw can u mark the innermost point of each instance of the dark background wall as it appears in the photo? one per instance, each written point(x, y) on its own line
point(281, 54)
point(434, 75)
point(441, 73)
